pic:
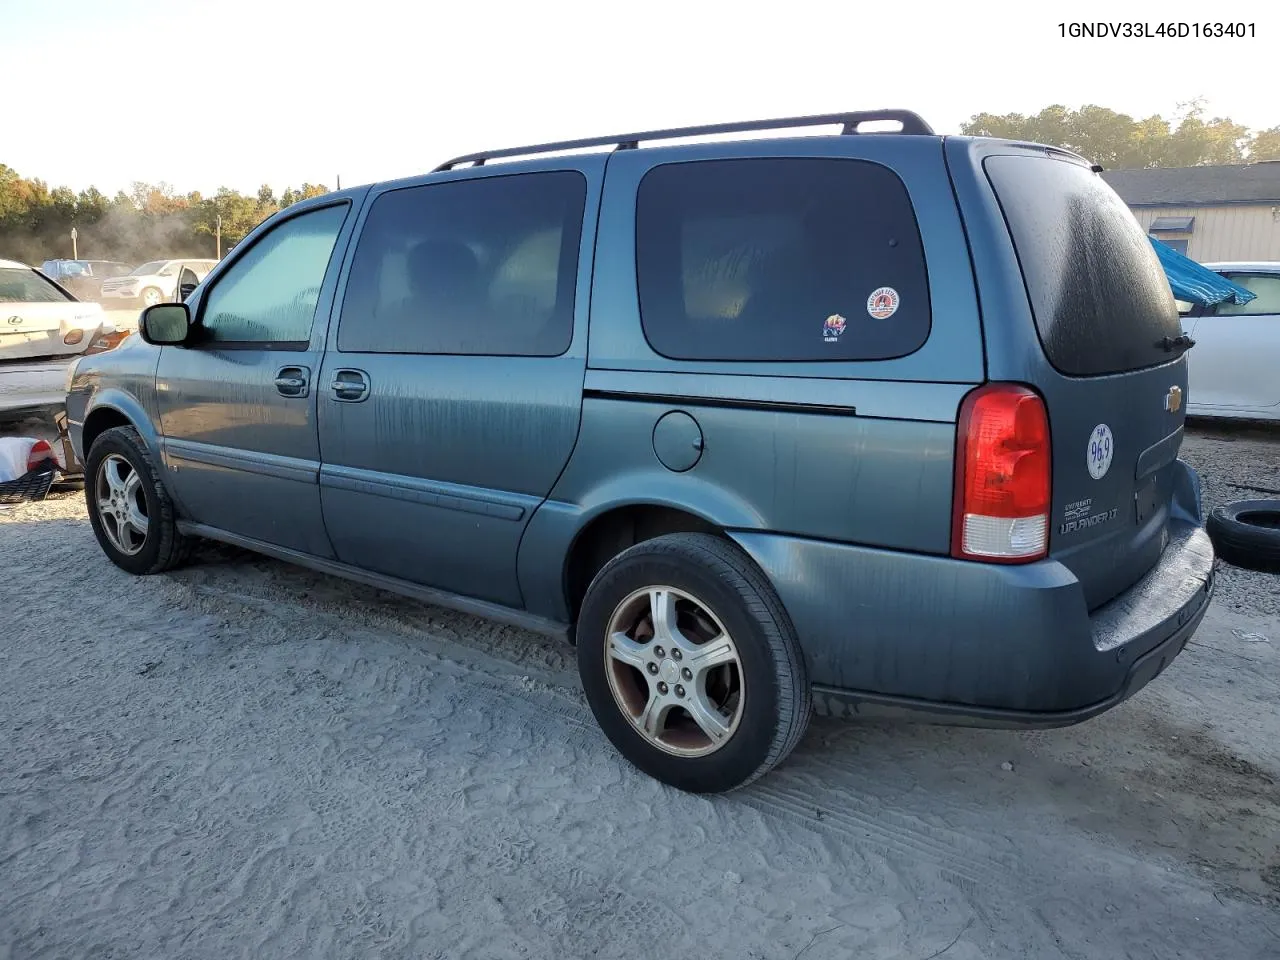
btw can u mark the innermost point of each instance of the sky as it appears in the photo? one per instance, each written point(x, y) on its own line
point(234, 93)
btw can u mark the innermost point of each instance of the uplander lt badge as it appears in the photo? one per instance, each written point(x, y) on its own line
point(1076, 516)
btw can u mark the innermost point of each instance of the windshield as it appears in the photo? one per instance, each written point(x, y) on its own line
point(155, 266)
point(26, 286)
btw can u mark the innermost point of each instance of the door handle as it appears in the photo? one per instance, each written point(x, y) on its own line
point(293, 381)
point(350, 386)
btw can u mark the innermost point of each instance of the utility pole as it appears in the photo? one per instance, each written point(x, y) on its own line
point(75, 251)
point(339, 181)
point(217, 233)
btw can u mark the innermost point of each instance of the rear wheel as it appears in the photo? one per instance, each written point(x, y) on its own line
point(690, 663)
point(129, 508)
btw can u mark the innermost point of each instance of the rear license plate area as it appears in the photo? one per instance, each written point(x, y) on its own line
point(1146, 501)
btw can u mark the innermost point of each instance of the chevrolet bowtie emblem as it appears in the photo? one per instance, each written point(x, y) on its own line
point(1173, 399)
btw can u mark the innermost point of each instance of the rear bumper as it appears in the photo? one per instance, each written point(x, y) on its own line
point(30, 385)
point(38, 353)
point(1146, 667)
point(981, 643)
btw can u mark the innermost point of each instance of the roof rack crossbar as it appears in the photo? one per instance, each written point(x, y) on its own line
point(912, 123)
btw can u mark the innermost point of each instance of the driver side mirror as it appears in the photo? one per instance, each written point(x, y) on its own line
point(165, 324)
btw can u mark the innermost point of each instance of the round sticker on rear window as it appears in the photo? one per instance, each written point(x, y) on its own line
point(1101, 449)
point(883, 303)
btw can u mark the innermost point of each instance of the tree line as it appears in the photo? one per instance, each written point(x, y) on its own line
point(151, 221)
point(1121, 142)
point(146, 222)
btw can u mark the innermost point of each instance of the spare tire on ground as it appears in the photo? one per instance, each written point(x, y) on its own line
point(1247, 533)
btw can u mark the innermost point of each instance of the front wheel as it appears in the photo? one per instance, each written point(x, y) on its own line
point(691, 664)
point(129, 508)
point(151, 296)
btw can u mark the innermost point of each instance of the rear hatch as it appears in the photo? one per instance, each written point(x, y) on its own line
point(1114, 380)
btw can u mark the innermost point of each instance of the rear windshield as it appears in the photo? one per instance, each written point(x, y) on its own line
point(786, 258)
point(19, 285)
point(1100, 298)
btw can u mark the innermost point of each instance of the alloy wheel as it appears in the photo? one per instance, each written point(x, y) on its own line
point(674, 671)
point(122, 506)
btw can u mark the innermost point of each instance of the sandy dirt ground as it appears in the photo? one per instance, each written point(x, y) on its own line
point(244, 759)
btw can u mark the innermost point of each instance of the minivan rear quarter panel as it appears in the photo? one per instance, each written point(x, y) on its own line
point(857, 451)
point(848, 451)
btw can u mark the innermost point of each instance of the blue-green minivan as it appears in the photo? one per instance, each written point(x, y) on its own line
point(869, 421)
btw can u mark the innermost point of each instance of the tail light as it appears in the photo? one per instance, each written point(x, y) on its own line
point(73, 337)
point(1003, 476)
point(39, 453)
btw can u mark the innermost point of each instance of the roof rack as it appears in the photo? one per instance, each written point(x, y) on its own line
point(912, 123)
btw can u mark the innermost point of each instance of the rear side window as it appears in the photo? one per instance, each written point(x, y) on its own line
point(484, 266)
point(784, 259)
point(1100, 298)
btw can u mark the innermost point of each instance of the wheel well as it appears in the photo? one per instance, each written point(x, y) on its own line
point(104, 418)
point(610, 533)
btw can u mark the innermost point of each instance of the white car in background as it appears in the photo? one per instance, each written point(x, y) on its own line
point(1233, 368)
point(153, 282)
point(42, 327)
point(40, 320)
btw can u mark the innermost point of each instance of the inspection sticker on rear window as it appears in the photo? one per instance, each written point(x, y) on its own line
point(1101, 449)
point(883, 303)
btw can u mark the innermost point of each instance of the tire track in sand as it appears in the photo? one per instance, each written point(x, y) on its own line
point(849, 816)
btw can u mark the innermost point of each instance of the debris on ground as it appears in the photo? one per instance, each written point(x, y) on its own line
point(1250, 637)
point(27, 469)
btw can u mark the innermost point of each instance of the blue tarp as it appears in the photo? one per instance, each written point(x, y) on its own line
point(1195, 283)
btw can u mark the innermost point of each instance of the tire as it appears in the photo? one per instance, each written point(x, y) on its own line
point(161, 547)
point(1247, 533)
point(771, 710)
point(151, 296)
